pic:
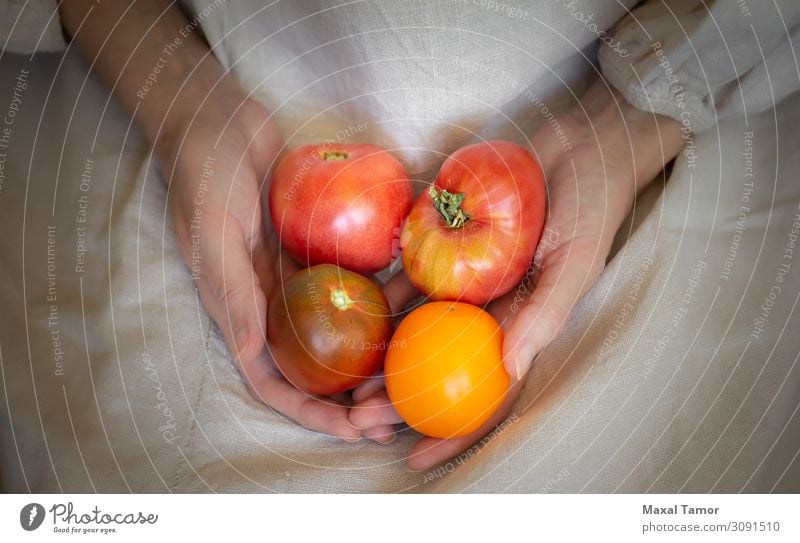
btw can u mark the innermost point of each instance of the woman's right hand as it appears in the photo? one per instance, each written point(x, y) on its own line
point(216, 159)
point(199, 121)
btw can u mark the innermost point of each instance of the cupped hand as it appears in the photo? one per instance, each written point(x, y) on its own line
point(216, 159)
point(611, 151)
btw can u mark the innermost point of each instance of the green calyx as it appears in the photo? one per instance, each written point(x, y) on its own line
point(449, 207)
point(341, 300)
point(329, 156)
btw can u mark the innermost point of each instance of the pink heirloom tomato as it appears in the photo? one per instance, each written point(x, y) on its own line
point(472, 235)
point(340, 204)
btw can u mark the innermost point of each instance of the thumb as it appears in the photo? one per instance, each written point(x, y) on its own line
point(567, 273)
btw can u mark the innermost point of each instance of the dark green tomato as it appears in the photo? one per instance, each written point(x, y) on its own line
point(328, 329)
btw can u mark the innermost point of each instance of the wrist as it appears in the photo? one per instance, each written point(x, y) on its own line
point(634, 145)
point(209, 115)
point(656, 140)
point(198, 85)
point(615, 151)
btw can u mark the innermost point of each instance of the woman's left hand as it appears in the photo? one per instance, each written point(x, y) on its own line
point(614, 151)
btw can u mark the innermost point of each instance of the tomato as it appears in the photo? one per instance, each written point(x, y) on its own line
point(444, 369)
point(328, 328)
point(472, 236)
point(340, 204)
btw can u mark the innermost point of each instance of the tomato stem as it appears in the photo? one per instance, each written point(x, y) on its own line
point(329, 156)
point(449, 207)
point(340, 299)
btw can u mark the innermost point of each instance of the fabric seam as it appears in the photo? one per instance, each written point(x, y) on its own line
point(194, 408)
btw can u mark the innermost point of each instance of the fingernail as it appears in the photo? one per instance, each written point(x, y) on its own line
point(414, 470)
point(352, 439)
point(524, 358)
point(351, 425)
point(389, 441)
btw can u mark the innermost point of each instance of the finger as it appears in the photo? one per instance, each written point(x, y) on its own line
point(342, 398)
point(429, 451)
point(399, 291)
point(273, 264)
point(368, 388)
point(320, 414)
point(567, 274)
point(382, 434)
point(233, 296)
point(377, 410)
point(268, 386)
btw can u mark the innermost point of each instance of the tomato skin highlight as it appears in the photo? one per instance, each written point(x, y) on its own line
point(444, 369)
point(505, 199)
point(340, 204)
point(320, 347)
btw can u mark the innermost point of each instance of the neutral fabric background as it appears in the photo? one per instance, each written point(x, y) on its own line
point(625, 400)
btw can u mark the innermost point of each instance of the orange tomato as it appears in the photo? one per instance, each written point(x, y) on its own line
point(444, 369)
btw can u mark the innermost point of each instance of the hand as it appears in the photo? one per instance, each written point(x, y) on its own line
point(217, 156)
point(614, 151)
point(216, 147)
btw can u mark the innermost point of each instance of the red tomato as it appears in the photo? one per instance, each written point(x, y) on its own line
point(472, 236)
point(340, 204)
point(444, 369)
point(328, 328)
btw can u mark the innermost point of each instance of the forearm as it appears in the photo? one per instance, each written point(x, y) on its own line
point(148, 54)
